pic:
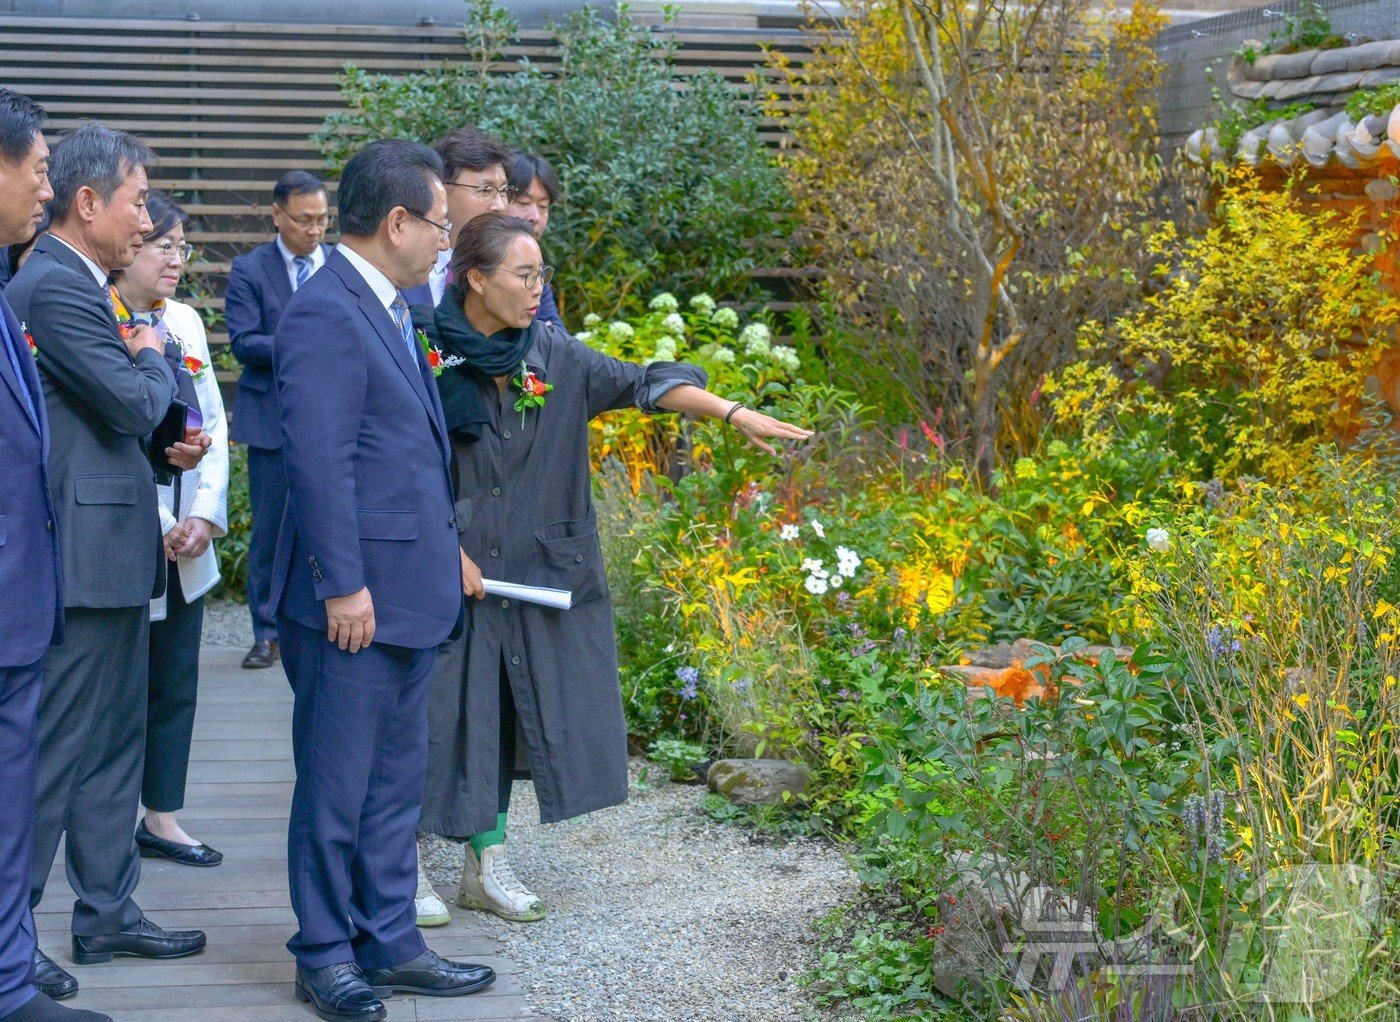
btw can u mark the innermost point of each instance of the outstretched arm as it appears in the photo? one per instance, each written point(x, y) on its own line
point(753, 424)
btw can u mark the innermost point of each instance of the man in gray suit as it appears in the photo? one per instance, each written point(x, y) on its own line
point(105, 394)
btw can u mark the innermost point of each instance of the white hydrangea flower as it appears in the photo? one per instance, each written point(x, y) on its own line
point(816, 586)
point(847, 561)
point(664, 302)
point(788, 532)
point(723, 355)
point(756, 338)
point(726, 318)
point(673, 324)
point(703, 304)
point(583, 335)
point(592, 320)
point(1158, 540)
point(819, 529)
point(619, 331)
point(787, 358)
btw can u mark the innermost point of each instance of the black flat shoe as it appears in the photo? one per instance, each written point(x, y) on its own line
point(431, 976)
point(144, 940)
point(43, 1009)
point(339, 992)
point(153, 847)
point(263, 654)
point(51, 978)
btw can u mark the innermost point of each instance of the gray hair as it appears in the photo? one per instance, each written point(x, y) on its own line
point(97, 157)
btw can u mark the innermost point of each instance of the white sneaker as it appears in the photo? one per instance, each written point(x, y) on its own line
point(490, 884)
point(429, 908)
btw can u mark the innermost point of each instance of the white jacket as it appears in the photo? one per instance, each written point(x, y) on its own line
point(203, 490)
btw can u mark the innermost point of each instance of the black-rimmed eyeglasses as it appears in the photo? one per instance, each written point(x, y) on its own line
point(543, 275)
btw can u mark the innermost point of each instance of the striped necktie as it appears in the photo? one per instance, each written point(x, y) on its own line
point(303, 268)
point(399, 308)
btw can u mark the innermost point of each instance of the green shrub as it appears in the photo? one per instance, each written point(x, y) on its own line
point(233, 548)
point(666, 180)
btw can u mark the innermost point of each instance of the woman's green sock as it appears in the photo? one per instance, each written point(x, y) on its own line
point(481, 842)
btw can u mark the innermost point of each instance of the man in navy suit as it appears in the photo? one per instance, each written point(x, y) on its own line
point(30, 573)
point(368, 580)
point(260, 284)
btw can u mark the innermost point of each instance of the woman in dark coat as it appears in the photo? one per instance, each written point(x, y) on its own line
point(527, 684)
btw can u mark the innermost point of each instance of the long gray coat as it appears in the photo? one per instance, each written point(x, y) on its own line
point(525, 514)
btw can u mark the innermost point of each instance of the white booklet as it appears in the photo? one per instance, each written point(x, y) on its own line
point(555, 599)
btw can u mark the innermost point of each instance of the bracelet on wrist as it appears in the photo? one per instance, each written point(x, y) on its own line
point(729, 415)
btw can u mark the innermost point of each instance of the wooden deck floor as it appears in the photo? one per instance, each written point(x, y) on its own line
point(240, 787)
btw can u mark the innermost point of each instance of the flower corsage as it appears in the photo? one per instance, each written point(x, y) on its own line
point(436, 362)
point(532, 391)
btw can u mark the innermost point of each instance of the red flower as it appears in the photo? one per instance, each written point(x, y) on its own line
point(29, 339)
point(537, 386)
point(434, 358)
point(194, 365)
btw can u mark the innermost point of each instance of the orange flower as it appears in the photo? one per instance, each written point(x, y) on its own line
point(194, 365)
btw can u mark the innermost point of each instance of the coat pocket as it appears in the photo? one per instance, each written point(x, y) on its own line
point(570, 558)
point(463, 511)
point(400, 526)
point(112, 489)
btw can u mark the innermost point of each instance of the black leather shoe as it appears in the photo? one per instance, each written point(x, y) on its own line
point(43, 1009)
point(339, 992)
point(144, 940)
point(51, 979)
point(431, 976)
point(263, 654)
point(153, 847)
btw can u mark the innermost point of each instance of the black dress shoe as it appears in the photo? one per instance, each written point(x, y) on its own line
point(153, 847)
point(263, 654)
point(51, 979)
point(42, 1009)
point(431, 976)
point(339, 992)
point(144, 940)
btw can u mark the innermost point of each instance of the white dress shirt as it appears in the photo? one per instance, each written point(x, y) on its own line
point(437, 279)
point(317, 257)
point(381, 285)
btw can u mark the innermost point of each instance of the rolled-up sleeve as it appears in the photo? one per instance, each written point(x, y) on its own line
point(660, 378)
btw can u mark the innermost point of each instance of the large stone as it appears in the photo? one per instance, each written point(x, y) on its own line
point(758, 782)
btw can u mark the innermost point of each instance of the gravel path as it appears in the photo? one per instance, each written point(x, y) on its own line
point(657, 914)
point(226, 623)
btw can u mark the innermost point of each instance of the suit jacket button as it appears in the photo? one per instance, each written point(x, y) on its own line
point(505, 603)
point(495, 491)
point(452, 521)
point(506, 434)
point(495, 551)
point(515, 660)
point(578, 558)
point(49, 525)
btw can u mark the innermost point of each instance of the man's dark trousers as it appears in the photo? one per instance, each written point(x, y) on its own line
point(267, 496)
point(360, 734)
point(19, 700)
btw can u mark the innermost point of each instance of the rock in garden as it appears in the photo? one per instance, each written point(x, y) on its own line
point(757, 782)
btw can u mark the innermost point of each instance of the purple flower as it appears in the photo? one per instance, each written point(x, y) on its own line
point(689, 677)
point(868, 646)
point(845, 693)
point(843, 597)
point(856, 629)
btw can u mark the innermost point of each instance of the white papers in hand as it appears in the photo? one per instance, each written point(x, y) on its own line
point(555, 599)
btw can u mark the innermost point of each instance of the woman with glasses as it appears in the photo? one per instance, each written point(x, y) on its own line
point(193, 512)
point(530, 686)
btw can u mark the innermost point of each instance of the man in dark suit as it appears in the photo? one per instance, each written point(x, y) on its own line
point(30, 573)
point(368, 581)
point(260, 284)
point(104, 395)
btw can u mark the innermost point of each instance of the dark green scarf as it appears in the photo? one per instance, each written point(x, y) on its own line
point(483, 357)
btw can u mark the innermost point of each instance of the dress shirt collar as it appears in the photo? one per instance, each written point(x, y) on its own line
point(98, 274)
point(317, 257)
point(382, 286)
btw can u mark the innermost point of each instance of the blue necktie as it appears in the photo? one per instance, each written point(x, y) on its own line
point(303, 267)
point(399, 308)
point(10, 350)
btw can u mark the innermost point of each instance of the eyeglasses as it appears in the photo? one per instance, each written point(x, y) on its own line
point(541, 276)
point(306, 223)
point(487, 193)
point(444, 228)
point(169, 250)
